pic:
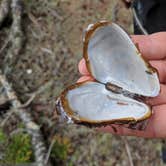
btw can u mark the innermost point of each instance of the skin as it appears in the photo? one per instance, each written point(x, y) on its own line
point(153, 49)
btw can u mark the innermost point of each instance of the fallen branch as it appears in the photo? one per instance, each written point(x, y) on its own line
point(16, 36)
point(32, 128)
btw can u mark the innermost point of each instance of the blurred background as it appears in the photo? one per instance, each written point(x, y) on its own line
point(47, 64)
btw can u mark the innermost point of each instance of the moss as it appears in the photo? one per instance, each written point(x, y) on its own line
point(2, 137)
point(19, 149)
point(61, 149)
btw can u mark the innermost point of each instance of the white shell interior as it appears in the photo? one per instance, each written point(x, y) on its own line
point(94, 102)
point(114, 58)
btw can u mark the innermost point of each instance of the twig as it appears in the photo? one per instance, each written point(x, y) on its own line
point(28, 102)
point(33, 19)
point(49, 151)
point(128, 150)
point(41, 89)
point(4, 10)
point(55, 14)
point(143, 30)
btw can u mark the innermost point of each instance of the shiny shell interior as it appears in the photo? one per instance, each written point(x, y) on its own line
point(111, 58)
point(91, 102)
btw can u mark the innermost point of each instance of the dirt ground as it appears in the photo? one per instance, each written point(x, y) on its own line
point(53, 48)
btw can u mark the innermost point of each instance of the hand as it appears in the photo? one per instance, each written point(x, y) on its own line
point(153, 48)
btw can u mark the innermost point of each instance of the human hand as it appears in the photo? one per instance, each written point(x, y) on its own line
point(153, 49)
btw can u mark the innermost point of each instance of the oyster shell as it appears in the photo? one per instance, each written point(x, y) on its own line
point(121, 74)
point(112, 57)
point(91, 102)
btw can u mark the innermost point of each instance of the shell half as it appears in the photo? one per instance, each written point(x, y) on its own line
point(91, 102)
point(112, 57)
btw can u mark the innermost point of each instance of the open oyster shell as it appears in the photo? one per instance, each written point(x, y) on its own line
point(121, 74)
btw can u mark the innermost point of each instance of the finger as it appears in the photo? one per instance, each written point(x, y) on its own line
point(152, 46)
point(160, 65)
point(156, 127)
point(85, 78)
point(82, 67)
point(160, 99)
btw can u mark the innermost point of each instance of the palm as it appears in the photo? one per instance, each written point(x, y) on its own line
point(153, 49)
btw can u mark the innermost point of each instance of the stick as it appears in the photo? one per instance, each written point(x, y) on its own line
point(128, 150)
point(16, 36)
point(143, 30)
point(49, 151)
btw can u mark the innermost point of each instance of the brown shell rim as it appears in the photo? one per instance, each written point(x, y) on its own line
point(80, 120)
point(89, 33)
